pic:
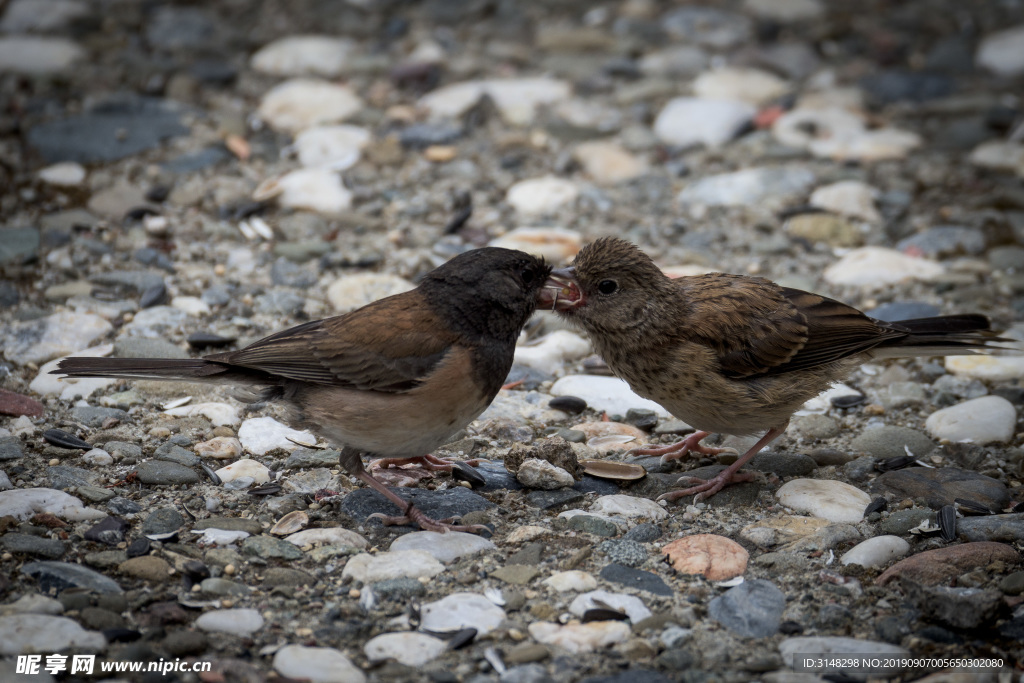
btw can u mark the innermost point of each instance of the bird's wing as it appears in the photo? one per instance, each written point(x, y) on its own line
point(756, 327)
point(390, 345)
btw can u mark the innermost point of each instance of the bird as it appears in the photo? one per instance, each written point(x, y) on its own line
point(731, 354)
point(395, 378)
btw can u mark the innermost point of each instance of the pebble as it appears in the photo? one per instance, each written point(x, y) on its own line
point(876, 267)
point(987, 368)
point(752, 609)
point(748, 187)
point(58, 576)
point(825, 499)
point(350, 292)
point(940, 566)
point(742, 84)
point(636, 579)
point(848, 198)
point(572, 580)
point(540, 474)
point(332, 147)
point(605, 394)
point(446, 547)
point(630, 507)
point(822, 227)
point(889, 656)
point(687, 121)
point(412, 564)
point(630, 605)
point(164, 473)
point(674, 61)
point(334, 535)
point(244, 469)
point(999, 156)
point(552, 351)
point(29, 544)
point(309, 55)
point(97, 457)
point(63, 174)
point(714, 557)
point(785, 11)
point(889, 441)
point(457, 611)
point(960, 607)
point(219, 448)
point(26, 502)
point(876, 552)
point(556, 245)
point(43, 633)
point(33, 603)
point(608, 163)
point(707, 26)
point(1002, 52)
point(902, 521)
point(941, 486)
point(517, 99)
point(148, 568)
point(60, 334)
point(312, 189)
point(316, 664)
point(580, 638)
point(220, 536)
point(300, 103)
point(267, 547)
point(38, 55)
point(989, 419)
point(541, 196)
point(410, 649)
point(260, 435)
point(240, 621)
point(1000, 528)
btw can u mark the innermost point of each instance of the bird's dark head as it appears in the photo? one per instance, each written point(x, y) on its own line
point(491, 288)
point(610, 281)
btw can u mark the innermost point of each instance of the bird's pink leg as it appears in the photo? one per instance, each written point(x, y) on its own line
point(428, 461)
point(411, 514)
point(691, 444)
point(730, 475)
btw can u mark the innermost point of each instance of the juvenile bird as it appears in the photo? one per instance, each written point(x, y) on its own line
point(395, 378)
point(729, 353)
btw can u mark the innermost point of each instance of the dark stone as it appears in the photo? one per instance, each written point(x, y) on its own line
point(175, 28)
point(602, 487)
point(11, 448)
point(834, 617)
point(547, 500)
point(527, 378)
point(1013, 629)
point(67, 476)
point(162, 521)
point(421, 135)
point(171, 452)
point(645, 532)
point(9, 295)
point(938, 487)
point(283, 576)
point(110, 130)
point(896, 84)
point(903, 310)
point(123, 506)
point(1000, 528)
point(677, 660)
point(99, 619)
point(642, 418)
point(598, 526)
point(568, 404)
point(109, 530)
point(183, 643)
point(635, 578)
point(135, 280)
point(893, 629)
point(753, 609)
point(944, 241)
point(160, 472)
point(148, 256)
point(213, 71)
point(288, 274)
point(455, 502)
point(30, 544)
point(96, 416)
point(901, 522)
point(58, 576)
point(628, 553)
point(783, 464)
point(529, 554)
point(138, 548)
point(61, 439)
point(400, 590)
point(18, 245)
point(269, 547)
point(959, 608)
point(196, 161)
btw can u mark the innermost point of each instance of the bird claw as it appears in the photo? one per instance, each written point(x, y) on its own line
point(676, 451)
point(705, 488)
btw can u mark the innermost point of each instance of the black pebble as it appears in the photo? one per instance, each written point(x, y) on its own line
point(154, 296)
point(568, 404)
point(61, 439)
point(849, 400)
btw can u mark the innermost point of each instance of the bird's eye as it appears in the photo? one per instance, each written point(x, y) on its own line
point(607, 286)
point(527, 275)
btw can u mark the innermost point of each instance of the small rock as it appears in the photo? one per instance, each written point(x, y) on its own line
point(540, 196)
point(239, 622)
point(1002, 52)
point(605, 394)
point(1001, 528)
point(412, 564)
point(446, 547)
point(941, 486)
point(540, 474)
point(163, 473)
point(300, 103)
point(825, 228)
point(410, 649)
point(316, 664)
point(461, 610)
point(329, 536)
point(987, 368)
point(609, 163)
point(748, 187)
point(687, 121)
point(579, 638)
point(732, 84)
point(148, 568)
point(889, 656)
point(260, 435)
point(58, 576)
point(37, 341)
point(632, 606)
point(304, 55)
point(556, 245)
point(876, 552)
point(573, 580)
point(875, 267)
point(752, 609)
point(629, 507)
point(831, 500)
point(245, 469)
point(934, 567)
point(715, 557)
point(43, 633)
point(636, 579)
point(989, 419)
point(891, 442)
point(24, 503)
point(355, 291)
point(551, 352)
point(268, 547)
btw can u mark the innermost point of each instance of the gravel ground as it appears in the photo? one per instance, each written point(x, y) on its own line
point(184, 177)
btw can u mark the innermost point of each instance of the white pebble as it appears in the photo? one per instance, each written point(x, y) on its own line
point(1003, 52)
point(192, 305)
point(303, 55)
point(446, 547)
point(411, 564)
point(244, 468)
point(988, 368)
point(219, 414)
point(848, 198)
point(739, 84)
point(989, 419)
point(535, 473)
point(767, 186)
point(572, 580)
point(556, 245)
point(333, 147)
point(408, 648)
point(350, 292)
point(334, 535)
point(219, 448)
point(239, 622)
point(629, 507)
point(24, 503)
point(632, 606)
point(609, 163)
point(825, 499)
point(877, 267)
point(97, 456)
point(552, 351)
point(876, 552)
point(260, 435)
point(686, 121)
point(213, 536)
point(605, 394)
point(302, 103)
point(517, 99)
point(539, 196)
point(999, 155)
point(60, 334)
point(316, 665)
point(43, 633)
point(577, 638)
point(461, 610)
point(63, 174)
point(314, 189)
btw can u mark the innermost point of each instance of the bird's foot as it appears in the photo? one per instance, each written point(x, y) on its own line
point(678, 450)
point(705, 488)
point(428, 462)
point(413, 515)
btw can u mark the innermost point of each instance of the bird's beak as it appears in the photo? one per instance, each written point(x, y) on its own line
point(561, 292)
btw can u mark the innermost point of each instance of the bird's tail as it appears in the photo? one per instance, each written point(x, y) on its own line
point(948, 335)
point(187, 369)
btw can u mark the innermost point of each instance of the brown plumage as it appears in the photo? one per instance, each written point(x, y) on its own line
point(730, 353)
point(395, 378)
